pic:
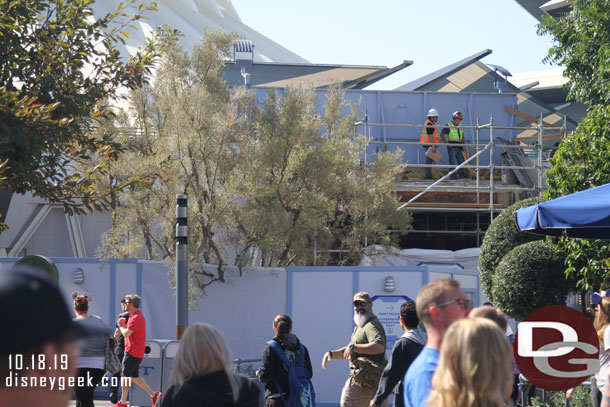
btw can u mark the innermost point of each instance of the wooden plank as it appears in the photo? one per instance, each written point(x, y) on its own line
point(527, 117)
point(553, 136)
point(534, 120)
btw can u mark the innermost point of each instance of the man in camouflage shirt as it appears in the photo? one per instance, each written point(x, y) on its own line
point(365, 352)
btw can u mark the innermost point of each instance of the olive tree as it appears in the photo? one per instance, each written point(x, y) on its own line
point(59, 67)
point(268, 178)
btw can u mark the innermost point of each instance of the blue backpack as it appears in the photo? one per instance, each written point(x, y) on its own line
point(301, 389)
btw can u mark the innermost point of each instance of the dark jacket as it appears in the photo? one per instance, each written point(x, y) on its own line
point(273, 369)
point(405, 350)
point(121, 345)
point(213, 390)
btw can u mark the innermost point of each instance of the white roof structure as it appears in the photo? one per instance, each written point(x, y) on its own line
point(548, 78)
point(39, 227)
point(555, 6)
point(192, 18)
point(538, 8)
point(274, 65)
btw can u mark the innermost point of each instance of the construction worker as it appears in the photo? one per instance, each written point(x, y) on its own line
point(429, 135)
point(453, 134)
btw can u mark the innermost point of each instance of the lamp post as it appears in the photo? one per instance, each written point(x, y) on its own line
point(182, 265)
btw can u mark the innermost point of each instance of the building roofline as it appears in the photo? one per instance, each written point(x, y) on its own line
point(399, 66)
point(448, 70)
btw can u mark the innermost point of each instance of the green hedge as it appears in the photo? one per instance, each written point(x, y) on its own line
point(529, 277)
point(501, 237)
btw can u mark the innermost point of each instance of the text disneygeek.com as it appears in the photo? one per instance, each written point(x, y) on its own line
point(62, 382)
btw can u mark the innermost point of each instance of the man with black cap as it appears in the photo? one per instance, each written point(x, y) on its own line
point(39, 347)
point(366, 354)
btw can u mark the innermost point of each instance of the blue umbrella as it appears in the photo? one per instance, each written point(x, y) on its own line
point(584, 214)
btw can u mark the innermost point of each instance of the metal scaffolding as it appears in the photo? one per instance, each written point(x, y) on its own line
point(527, 162)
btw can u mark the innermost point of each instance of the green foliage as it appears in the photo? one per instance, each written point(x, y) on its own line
point(271, 180)
point(58, 66)
point(502, 236)
point(581, 397)
point(582, 44)
point(582, 161)
point(553, 399)
point(183, 139)
point(306, 186)
point(530, 276)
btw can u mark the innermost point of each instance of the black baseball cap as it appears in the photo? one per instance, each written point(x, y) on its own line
point(34, 311)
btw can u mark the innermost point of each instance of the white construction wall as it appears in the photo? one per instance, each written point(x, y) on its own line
point(317, 298)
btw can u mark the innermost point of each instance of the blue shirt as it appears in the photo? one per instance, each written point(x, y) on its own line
point(418, 379)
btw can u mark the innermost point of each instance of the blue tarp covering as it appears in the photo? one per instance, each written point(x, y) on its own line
point(584, 214)
point(403, 107)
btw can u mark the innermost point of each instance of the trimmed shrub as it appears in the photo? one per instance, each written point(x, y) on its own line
point(502, 236)
point(530, 276)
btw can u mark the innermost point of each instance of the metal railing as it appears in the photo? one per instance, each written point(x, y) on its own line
point(536, 153)
point(239, 364)
point(525, 388)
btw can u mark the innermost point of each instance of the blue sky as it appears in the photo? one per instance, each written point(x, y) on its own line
point(432, 33)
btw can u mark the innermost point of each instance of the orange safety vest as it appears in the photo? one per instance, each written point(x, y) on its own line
point(425, 139)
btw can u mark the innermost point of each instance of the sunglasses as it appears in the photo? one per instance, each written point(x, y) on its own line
point(360, 303)
point(463, 303)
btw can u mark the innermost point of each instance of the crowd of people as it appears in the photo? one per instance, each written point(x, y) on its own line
point(450, 354)
point(458, 359)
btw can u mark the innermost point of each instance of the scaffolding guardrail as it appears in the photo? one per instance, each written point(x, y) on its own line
point(526, 161)
point(536, 153)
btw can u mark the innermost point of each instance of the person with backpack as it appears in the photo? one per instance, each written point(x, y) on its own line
point(286, 368)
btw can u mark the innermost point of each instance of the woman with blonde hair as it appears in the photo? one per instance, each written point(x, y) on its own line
point(475, 366)
point(201, 373)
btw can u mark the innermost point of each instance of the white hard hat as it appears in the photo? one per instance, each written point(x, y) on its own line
point(432, 113)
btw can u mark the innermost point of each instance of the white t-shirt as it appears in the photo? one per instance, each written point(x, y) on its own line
point(604, 360)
